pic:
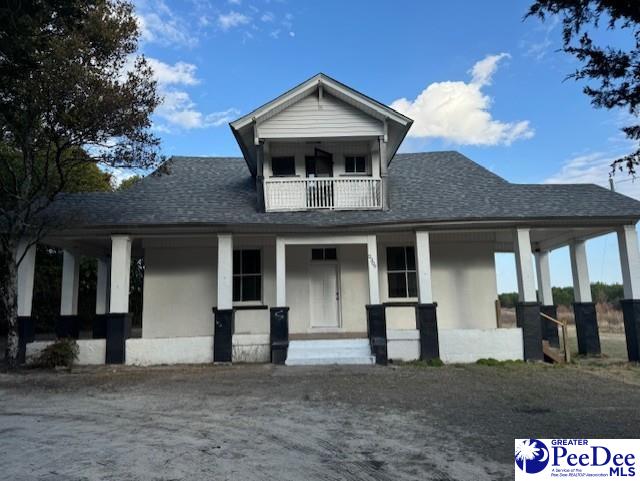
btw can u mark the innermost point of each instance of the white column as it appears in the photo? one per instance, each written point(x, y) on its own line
point(580, 271)
point(70, 282)
point(544, 278)
point(281, 273)
point(372, 262)
point(120, 273)
point(524, 266)
point(629, 261)
point(102, 286)
point(26, 275)
point(225, 271)
point(423, 260)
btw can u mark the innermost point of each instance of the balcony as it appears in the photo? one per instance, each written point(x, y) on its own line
point(333, 193)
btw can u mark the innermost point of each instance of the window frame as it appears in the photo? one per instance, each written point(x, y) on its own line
point(280, 157)
point(240, 275)
point(367, 164)
point(406, 271)
point(324, 250)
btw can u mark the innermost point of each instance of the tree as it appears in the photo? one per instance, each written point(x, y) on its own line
point(71, 94)
point(617, 70)
point(129, 182)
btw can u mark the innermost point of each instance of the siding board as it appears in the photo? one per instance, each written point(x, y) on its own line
point(329, 118)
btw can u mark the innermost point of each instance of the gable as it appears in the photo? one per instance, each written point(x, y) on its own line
point(320, 116)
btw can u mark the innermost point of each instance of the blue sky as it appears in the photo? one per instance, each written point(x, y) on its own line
point(474, 76)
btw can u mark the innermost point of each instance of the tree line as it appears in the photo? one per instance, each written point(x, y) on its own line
point(563, 296)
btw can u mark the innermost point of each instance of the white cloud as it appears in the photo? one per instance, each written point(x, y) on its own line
point(180, 73)
point(232, 19)
point(483, 70)
point(458, 111)
point(267, 17)
point(159, 24)
point(178, 110)
point(594, 168)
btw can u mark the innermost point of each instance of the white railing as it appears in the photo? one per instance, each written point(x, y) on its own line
point(322, 193)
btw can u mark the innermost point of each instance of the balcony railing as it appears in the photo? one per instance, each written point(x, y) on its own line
point(282, 194)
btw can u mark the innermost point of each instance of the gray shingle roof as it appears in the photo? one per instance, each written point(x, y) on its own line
point(424, 187)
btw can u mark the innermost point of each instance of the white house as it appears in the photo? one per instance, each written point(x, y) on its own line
point(322, 244)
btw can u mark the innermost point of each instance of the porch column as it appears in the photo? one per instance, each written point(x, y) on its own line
point(527, 309)
point(26, 275)
point(279, 315)
point(223, 327)
point(376, 317)
point(426, 318)
point(630, 263)
point(99, 327)
point(384, 171)
point(545, 297)
point(584, 309)
point(68, 325)
point(119, 320)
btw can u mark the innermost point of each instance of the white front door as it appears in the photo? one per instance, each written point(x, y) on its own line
point(324, 294)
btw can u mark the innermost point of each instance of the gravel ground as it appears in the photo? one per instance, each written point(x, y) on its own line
point(331, 423)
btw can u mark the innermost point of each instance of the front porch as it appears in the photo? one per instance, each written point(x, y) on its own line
point(413, 294)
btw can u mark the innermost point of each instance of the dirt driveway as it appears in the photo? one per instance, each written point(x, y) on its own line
point(283, 423)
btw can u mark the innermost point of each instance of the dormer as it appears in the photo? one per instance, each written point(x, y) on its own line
point(321, 145)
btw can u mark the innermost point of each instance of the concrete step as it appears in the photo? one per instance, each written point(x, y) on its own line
point(329, 351)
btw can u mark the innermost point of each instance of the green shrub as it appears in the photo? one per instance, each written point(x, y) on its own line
point(435, 362)
point(63, 352)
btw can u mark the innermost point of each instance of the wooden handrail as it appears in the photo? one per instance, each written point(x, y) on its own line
point(565, 336)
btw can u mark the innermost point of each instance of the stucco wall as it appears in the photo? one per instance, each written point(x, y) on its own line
point(182, 350)
point(469, 345)
point(180, 286)
point(463, 281)
point(179, 290)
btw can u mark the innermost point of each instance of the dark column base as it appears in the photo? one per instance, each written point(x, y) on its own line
point(68, 327)
point(587, 328)
point(26, 334)
point(377, 331)
point(279, 320)
point(427, 324)
point(631, 313)
point(528, 318)
point(223, 335)
point(99, 326)
point(550, 328)
point(118, 331)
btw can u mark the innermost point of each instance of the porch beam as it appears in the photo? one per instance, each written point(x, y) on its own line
point(281, 272)
point(26, 276)
point(524, 266)
point(225, 271)
point(372, 263)
point(580, 271)
point(120, 273)
point(543, 274)
point(70, 283)
point(423, 260)
point(325, 240)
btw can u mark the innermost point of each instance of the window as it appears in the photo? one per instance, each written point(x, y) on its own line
point(355, 164)
point(283, 166)
point(247, 275)
point(325, 254)
point(401, 272)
